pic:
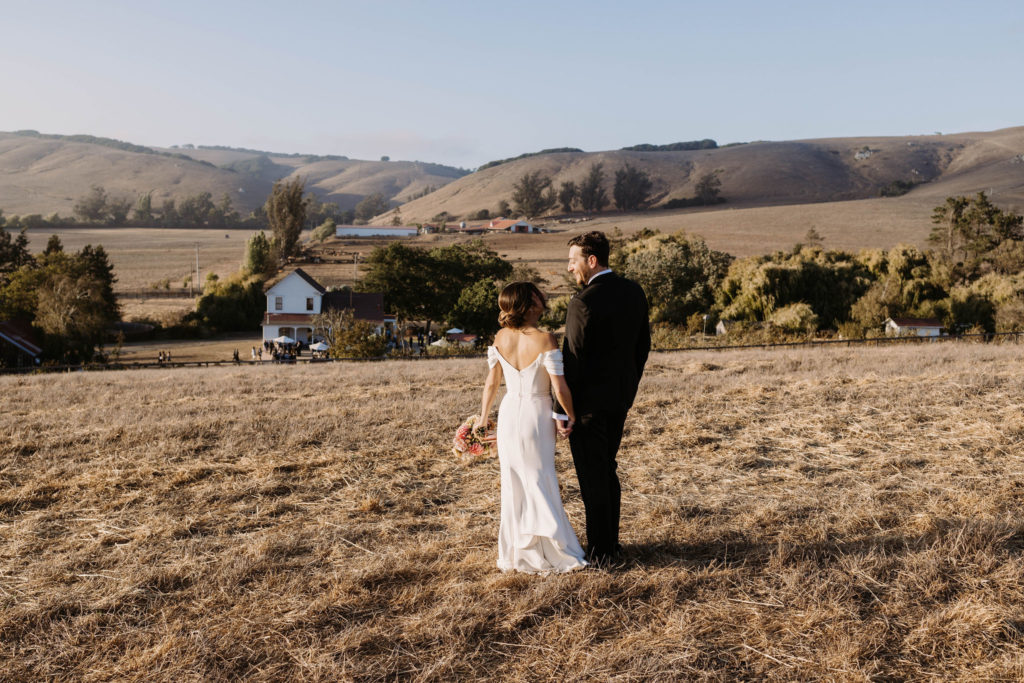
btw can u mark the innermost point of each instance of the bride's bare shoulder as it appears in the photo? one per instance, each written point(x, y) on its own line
point(503, 339)
point(548, 341)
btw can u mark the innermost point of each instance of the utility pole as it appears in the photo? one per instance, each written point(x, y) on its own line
point(199, 286)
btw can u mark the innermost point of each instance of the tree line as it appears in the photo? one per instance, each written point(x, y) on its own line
point(68, 298)
point(971, 277)
point(98, 207)
point(534, 193)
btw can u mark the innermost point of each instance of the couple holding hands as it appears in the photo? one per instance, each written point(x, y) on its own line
point(594, 378)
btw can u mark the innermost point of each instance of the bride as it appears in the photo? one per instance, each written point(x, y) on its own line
point(535, 534)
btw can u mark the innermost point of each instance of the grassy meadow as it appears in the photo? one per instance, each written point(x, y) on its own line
point(143, 257)
point(808, 514)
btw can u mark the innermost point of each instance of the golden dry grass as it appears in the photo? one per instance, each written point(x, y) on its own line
point(835, 514)
point(191, 350)
point(144, 256)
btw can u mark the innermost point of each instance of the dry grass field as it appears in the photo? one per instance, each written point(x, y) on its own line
point(191, 350)
point(145, 256)
point(822, 514)
point(850, 225)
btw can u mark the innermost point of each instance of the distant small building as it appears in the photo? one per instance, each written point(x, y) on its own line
point(913, 327)
point(732, 326)
point(475, 229)
point(509, 225)
point(376, 231)
point(18, 345)
point(295, 299)
point(462, 340)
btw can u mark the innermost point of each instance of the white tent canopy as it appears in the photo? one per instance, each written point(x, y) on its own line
point(454, 330)
point(319, 346)
point(284, 340)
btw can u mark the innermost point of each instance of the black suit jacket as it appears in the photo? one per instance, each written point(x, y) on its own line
point(607, 340)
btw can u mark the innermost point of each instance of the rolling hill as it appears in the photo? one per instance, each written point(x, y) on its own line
point(772, 173)
point(46, 173)
point(776, 191)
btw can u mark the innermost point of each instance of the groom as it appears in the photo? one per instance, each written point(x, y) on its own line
point(607, 339)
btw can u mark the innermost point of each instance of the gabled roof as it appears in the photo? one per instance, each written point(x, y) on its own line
point(365, 305)
point(301, 273)
point(20, 335)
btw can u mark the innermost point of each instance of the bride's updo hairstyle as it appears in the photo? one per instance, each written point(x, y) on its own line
point(515, 302)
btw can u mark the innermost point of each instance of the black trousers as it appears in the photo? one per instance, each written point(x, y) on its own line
point(594, 443)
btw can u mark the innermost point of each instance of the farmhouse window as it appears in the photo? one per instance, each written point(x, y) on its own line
point(309, 303)
point(278, 303)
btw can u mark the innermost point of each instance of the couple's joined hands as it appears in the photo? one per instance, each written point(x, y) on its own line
point(564, 427)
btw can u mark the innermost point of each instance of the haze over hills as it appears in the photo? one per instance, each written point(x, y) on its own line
point(44, 174)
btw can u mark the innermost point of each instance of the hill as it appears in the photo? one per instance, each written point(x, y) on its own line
point(772, 173)
point(47, 173)
point(831, 514)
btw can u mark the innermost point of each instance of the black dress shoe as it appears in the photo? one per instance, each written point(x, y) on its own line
point(603, 560)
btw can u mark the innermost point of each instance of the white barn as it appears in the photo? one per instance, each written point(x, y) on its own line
point(509, 225)
point(376, 231)
point(293, 300)
point(913, 327)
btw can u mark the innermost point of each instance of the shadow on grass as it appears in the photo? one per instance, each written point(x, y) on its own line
point(957, 538)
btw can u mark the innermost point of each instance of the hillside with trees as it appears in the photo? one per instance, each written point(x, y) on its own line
point(748, 175)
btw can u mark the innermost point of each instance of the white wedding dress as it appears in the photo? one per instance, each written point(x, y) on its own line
point(535, 534)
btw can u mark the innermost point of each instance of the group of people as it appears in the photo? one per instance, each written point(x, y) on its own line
point(163, 357)
point(277, 351)
point(594, 377)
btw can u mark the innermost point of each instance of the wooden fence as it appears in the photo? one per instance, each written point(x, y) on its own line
point(156, 294)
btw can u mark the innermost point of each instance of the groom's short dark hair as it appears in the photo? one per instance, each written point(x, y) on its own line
point(593, 243)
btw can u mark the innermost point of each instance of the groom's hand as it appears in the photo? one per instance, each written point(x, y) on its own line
point(564, 427)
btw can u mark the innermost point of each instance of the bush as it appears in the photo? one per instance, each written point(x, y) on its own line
point(897, 188)
point(687, 202)
point(231, 306)
point(324, 230)
point(667, 336)
point(795, 319)
point(1010, 316)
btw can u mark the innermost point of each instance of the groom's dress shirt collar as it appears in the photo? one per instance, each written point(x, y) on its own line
point(597, 275)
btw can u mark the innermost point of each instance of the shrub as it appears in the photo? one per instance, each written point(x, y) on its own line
point(795, 319)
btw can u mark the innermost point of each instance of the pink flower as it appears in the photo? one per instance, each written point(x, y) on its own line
point(476, 449)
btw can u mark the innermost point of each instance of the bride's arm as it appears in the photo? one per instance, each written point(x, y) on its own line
point(564, 396)
point(491, 385)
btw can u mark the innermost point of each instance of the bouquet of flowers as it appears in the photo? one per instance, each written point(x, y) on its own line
point(472, 442)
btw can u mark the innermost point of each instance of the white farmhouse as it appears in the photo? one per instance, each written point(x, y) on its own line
point(913, 327)
point(293, 300)
point(376, 231)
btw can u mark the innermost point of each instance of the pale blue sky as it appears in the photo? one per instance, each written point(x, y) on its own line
point(466, 82)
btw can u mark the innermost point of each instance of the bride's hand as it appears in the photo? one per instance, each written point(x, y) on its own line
point(564, 427)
